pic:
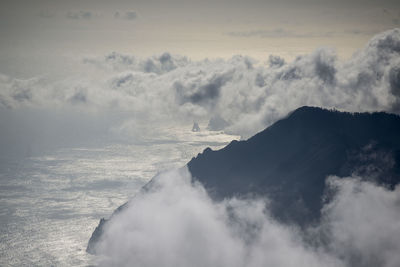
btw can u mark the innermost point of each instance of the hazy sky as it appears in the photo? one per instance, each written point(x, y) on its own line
point(43, 35)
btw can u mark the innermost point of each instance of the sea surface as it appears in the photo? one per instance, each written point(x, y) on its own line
point(50, 204)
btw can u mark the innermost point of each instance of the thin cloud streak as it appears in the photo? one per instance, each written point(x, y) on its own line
point(279, 33)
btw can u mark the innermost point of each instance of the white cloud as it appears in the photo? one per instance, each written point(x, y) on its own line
point(362, 223)
point(177, 224)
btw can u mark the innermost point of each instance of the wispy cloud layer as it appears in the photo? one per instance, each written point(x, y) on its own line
point(128, 15)
point(278, 33)
point(89, 14)
point(79, 15)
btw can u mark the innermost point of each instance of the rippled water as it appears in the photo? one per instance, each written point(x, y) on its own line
point(50, 205)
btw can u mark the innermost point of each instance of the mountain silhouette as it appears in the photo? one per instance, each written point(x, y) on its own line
point(290, 161)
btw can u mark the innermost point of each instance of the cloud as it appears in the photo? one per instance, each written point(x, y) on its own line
point(362, 223)
point(251, 96)
point(158, 64)
point(360, 32)
point(175, 223)
point(276, 61)
point(277, 33)
point(204, 94)
point(179, 223)
point(127, 15)
point(82, 14)
point(217, 123)
point(172, 90)
point(90, 14)
point(394, 81)
point(79, 96)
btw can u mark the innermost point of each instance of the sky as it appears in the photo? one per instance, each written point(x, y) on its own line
point(49, 36)
point(76, 71)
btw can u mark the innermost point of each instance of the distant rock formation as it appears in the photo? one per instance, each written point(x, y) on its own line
point(196, 127)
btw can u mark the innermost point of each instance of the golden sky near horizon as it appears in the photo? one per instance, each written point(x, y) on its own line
point(40, 34)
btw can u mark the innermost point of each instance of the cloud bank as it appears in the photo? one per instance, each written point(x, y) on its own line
point(245, 95)
point(177, 224)
point(362, 223)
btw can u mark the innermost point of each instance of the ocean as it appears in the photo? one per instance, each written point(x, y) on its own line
point(50, 204)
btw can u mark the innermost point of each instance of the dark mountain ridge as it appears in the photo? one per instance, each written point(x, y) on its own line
point(289, 161)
